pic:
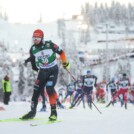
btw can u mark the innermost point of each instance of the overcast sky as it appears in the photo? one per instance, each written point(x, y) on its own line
point(29, 10)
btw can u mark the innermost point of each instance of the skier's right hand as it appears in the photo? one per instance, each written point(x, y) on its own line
point(66, 65)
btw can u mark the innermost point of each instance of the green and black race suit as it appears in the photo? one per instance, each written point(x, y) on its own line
point(44, 56)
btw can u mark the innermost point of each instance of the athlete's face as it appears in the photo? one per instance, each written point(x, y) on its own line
point(36, 40)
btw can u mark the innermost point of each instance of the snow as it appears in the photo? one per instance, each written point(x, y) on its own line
point(113, 120)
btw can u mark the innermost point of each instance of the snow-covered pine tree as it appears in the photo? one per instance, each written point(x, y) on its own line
point(21, 84)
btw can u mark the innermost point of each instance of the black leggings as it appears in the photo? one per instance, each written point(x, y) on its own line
point(46, 78)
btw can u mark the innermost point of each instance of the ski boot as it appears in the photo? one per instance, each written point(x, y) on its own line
point(29, 115)
point(53, 116)
point(71, 106)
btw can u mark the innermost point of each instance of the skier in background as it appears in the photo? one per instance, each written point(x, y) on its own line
point(43, 59)
point(6, 89)
point(101, 91)
point(123, 87)
point(112, 87)
point(79, 91)
point(71, 87)
point(89, 82)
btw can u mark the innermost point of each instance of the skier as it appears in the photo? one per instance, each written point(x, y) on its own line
point(112, 87)
point(6, 89)
point(43, 59)
point(79, 91)
point(71, 87)
point(101, 91)
point(89, 82)
point(124, 84)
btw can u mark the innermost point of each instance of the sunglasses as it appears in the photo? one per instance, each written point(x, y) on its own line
point(36, 39)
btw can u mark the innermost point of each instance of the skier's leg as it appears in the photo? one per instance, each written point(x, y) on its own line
point(125, 98)
point(75, 97)
point(52, 93)
point(114, 98)
point(89, 97)
point(34, 102)
point(38, 86)
point(89, 100)
point(77, 100)
point(83, 100)
point(64, 100)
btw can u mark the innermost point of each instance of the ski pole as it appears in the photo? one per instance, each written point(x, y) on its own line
point(63, 80)
point(71, 75)
point(96, 107)
point(78, 99)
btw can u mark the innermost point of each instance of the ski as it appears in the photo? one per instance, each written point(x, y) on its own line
point(45, 122)
point(19, 120)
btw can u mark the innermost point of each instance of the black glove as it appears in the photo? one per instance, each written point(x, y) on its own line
point(95, 85)
point(26, 61)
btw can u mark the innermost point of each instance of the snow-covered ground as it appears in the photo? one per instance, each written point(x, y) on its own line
point(113, 120)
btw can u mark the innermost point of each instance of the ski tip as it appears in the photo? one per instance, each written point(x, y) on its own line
point(46, 122)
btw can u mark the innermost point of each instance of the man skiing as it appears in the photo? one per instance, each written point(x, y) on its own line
point(89, 82)
point(101, 91)
point(78, 93)
point(123, 84)
point(43, 59)
point(112, 87)
point(71, 87)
